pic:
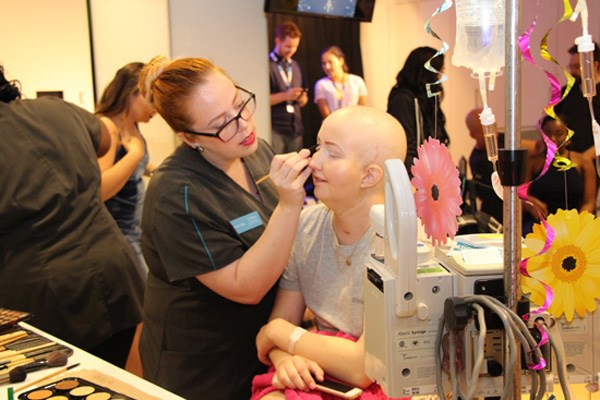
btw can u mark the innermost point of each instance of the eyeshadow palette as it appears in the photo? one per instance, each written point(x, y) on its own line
point(72, 389)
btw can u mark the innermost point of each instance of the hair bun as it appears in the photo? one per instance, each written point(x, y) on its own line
point(149, 74)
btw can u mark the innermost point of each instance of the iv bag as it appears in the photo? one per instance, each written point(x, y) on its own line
point(479, 36)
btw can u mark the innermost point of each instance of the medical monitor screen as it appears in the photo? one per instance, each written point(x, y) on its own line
point(357, 10)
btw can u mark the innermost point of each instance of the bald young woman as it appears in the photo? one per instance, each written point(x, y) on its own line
point(325, 271)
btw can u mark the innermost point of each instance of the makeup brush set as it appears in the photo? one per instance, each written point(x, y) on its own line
point(23, 351)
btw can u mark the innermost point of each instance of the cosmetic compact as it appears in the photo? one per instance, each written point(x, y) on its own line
point(72, 389)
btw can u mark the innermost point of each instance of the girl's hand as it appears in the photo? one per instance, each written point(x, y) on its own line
point(133, 144)
point(297, 372)
point(536, 207)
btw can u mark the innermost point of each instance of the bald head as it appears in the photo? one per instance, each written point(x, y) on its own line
point(474, 127)
point(378, 134)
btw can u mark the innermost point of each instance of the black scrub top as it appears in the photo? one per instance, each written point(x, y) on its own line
point(62, 256)
point(196, 220)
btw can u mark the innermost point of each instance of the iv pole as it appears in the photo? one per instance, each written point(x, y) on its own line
point(512, 228)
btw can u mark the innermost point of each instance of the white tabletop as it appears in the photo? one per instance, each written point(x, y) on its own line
point(88, 362)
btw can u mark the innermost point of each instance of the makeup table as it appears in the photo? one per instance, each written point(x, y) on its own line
point(93, 369)
point(96, 370)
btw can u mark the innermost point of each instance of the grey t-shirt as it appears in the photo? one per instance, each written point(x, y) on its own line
point(317, 268)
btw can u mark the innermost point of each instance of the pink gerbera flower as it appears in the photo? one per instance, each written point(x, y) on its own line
point(437, 198)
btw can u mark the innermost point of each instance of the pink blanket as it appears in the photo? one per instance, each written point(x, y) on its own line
point(262, 384)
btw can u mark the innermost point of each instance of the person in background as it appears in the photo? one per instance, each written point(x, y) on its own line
point(122, 108)
point(574, 188)
point(326, 269)
point(339, 88)
point(419, 114)
point(574, 108)
point(62, 256)
point(288, 90)
point(482, 168)
point(219, 220)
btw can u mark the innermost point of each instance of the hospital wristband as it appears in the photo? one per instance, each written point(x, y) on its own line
point(294, 337)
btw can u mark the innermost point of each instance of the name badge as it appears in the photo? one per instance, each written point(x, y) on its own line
point(290, 108)
point(246, 222)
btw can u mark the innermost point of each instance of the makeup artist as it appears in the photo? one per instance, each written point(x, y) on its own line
point(62, 256)
point(214, 239)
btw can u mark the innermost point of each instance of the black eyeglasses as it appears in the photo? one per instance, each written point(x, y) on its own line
point(230, 128)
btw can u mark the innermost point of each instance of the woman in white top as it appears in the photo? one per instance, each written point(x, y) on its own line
point(339, 88)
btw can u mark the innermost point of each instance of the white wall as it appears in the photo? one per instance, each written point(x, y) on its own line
point(233, 35)
point(47, 48)
point(128, 31)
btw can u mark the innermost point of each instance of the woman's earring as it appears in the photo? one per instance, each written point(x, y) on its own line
point(200, 148)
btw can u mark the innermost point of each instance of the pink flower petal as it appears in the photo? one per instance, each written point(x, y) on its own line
point(434, 167)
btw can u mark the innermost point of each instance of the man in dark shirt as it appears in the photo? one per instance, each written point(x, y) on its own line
point(288, 92)
point(574, 109)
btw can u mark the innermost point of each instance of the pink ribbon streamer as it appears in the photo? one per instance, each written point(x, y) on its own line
point(524, 45)
point(560, 162)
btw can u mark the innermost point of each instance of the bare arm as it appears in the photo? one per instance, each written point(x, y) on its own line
point(105, 139)
point(536, 207)
point(323, 108)
point(116, 174)
point(149, 169)
point(290, 371)
point(292, 94)
point(294, 371)
point(289, 305)
point(590, 154)
point(302, 99)
point(249, 278)
point(339, 357)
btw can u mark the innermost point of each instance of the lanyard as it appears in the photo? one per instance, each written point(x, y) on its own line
point(286, 75)
point(339, 93)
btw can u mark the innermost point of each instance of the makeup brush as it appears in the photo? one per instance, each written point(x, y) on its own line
point(41, 357)
point(18, 359)
point(17, 374)
point(312, 150)
point(54, 359)
point(11, 337)
point(50, 375)
point(25, 343)
point(10, 353)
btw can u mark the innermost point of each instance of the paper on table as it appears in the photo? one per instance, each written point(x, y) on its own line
point(488, 255)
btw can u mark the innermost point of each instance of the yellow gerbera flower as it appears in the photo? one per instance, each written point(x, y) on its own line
point(571, 267)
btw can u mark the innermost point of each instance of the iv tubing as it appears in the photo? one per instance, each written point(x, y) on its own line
point(581, 8)
point(482, 90)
